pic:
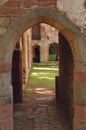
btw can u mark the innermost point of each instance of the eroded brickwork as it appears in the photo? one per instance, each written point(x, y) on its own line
point(70, 18)
point(85, 4)
point(75, 11)
point(48, 35)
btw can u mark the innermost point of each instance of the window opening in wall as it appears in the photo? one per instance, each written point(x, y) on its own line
point(36, 54)
point(53, 52)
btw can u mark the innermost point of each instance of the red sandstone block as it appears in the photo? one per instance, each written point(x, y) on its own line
point(5, 68)
point(80, 77)
point(13, 3)
point(17, 12)
point(7, 124)
point(28, 4)
point(80, 112)
point(40, 3)
point(11, 12)
point(6, 117)
point(5, 112)
point(6, 10)
point(85, 4)
point(47, 3)
point(53, 3)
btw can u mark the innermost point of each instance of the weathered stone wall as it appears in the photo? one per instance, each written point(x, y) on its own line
point(43, 49)
point(16, 17)
point(3, 1)
point(75, 11)
point(29, 41)
point(36, 32)
point(26, 54)
point(49, 35)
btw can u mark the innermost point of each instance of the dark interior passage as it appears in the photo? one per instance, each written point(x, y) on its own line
point(64, 83)
point(17, 75)
point(65, 79)
point(36, 54)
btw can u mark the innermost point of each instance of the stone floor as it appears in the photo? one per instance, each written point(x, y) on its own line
point(39, 112)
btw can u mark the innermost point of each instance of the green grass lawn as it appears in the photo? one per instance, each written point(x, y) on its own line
point(43, 75)
point(52, 57)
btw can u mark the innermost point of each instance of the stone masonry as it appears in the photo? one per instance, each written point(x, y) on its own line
point(49, 35)
point(69, 17)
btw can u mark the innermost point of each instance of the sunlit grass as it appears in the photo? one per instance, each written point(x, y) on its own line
point(52, 57)
point(27, 92)
point(43, 75)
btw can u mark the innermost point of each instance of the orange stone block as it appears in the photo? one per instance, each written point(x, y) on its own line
point(5, 68)
point(80, 112)
point(6, 117)
point(80, 77)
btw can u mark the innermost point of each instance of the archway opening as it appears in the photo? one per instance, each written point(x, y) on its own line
point(43, 94)
point(53, 54)
point(64, 95)
point(36, 54)
point(64, 29)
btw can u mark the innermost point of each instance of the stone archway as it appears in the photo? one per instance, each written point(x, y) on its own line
point(30, 18)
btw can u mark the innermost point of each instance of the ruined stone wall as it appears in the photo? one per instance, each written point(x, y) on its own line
point(43, 49)
point(49, 35)
point(75, 11)
point(26, 13)
point(3, 1)
point(29, 49)
point(27, 54)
